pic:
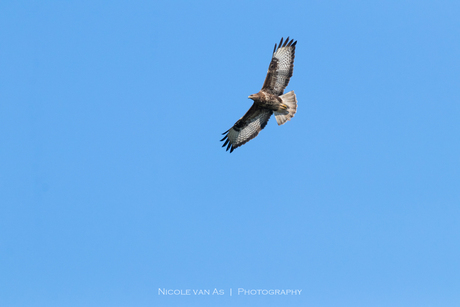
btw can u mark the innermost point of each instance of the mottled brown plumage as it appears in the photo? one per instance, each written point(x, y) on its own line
point(268, 100)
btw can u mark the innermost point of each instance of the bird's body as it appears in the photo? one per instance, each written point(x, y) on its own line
point(268, 100)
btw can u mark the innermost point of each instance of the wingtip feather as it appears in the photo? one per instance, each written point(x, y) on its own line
point(285, 43)
point(287, 40)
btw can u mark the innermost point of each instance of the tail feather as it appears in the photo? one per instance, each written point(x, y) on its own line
point(290, 100)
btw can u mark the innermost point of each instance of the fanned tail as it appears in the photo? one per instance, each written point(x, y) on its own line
point(290, 100)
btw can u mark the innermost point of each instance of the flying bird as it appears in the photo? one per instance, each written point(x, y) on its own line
point(268, 100)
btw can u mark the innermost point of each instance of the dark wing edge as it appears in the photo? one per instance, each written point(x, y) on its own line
point(246, 128)
point(281, 67)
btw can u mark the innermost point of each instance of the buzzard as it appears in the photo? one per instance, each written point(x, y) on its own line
point(268, 100)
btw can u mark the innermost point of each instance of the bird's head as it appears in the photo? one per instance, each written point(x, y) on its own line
point(253, 96)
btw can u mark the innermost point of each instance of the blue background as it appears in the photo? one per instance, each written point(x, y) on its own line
point(113, 183)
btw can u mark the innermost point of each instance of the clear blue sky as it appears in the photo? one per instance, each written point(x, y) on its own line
point(114, 184)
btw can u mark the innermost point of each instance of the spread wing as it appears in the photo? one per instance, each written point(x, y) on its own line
point(281, 68)
point(247, 127)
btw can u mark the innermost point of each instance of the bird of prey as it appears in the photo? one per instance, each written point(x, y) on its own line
point(268, 100)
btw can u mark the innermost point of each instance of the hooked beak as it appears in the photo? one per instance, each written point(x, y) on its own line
point(251, 97)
